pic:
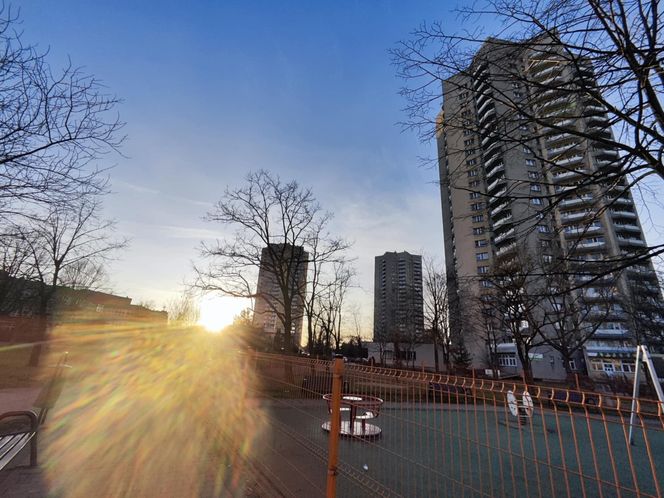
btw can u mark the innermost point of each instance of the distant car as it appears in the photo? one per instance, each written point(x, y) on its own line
point(447, 393)
point(563, 397)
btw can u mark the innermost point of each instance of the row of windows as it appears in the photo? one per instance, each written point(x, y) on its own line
point(507, 360)
point(612, 366)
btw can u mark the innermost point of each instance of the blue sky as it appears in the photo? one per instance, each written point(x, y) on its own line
point(212, 90)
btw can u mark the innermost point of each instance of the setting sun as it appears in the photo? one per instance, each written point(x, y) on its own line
point(218, 311)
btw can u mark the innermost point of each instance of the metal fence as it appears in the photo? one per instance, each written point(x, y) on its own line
point(438, 435)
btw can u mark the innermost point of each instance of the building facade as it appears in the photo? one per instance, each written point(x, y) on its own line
point(71, 308)
point(398, 305)
point(516, 186)
point(280, 291)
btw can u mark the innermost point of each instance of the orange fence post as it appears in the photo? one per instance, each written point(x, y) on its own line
point(335, 427)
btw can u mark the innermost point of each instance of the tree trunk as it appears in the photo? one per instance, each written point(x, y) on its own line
point(435, 351)
point(42, 336)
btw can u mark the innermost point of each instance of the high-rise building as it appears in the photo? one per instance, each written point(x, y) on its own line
point(504, 178)
point(398, 305)
point(281, 286)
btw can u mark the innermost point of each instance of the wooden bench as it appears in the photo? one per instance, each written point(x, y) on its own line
point(11, 443)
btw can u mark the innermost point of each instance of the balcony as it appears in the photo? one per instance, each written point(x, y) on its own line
point(503, 236)
point(497, 169)
point(620, 201)
point(547, 74)
point(491, 151)
point(489, 111)
point(569, 160)
point(555, 151)
point(481, 86)
point(632, 241)
point(495, 183)
point(587, 198)
point(628, 227)
point(552, 139)
point(537, 65)
point(594, 108)
point(502, 221)
point(506, 249)
point(617, 213)
point(575, 215)
point(481, 108)
point(618, 333)
point(490, 163)
point(597, 118)
point(499, 208)
point(562, 100)
point(586, 245)
point(562, 175)
point(583, 229)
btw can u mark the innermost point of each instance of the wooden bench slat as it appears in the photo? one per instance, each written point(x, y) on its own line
point(5, 441)
point(16, 444)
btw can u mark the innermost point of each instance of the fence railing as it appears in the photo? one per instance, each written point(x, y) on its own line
point(439, 435)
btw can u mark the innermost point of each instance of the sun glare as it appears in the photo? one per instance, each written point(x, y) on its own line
point(217, 312)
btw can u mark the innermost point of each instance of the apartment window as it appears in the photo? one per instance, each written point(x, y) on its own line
point(545, 243)
point(523, 127)
point(533, 175)
point(547, 258)
point(535, 187)
point(471, 162)
point(478, 218)
point(543, 229)
point(482, 270)
point(530, 162)
point(481, 243)
point(474, 183)
point(478, 206)
point(465, 113)
point(527, 150)
point(467, 132)
point(478, 230)
point(482, 256)
point(470, 152)
point(507, 359)
point(468, 142)
point(518, 94)
point(473, 172)
point(485, 283)
point(474, 195)
point(463, 95)
point(536, 201)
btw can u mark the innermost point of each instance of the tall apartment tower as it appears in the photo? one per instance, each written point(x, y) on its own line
point(398, 305)
point(500, 171)
point(283, 266)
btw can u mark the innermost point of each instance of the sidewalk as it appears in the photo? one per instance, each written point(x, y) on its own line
point(269, 473)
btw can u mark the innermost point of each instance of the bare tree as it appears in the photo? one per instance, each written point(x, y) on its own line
point(275, 224)
point(183, 310)
point(330, 306)
point(67, 239)
point(324, 251)
point(643, 308)
point(515, 297)
point(437, 311)
point(576, 83)
point(53, 125)
point(573, 315)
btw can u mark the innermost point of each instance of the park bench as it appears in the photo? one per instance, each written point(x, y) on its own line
point(13, 441)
